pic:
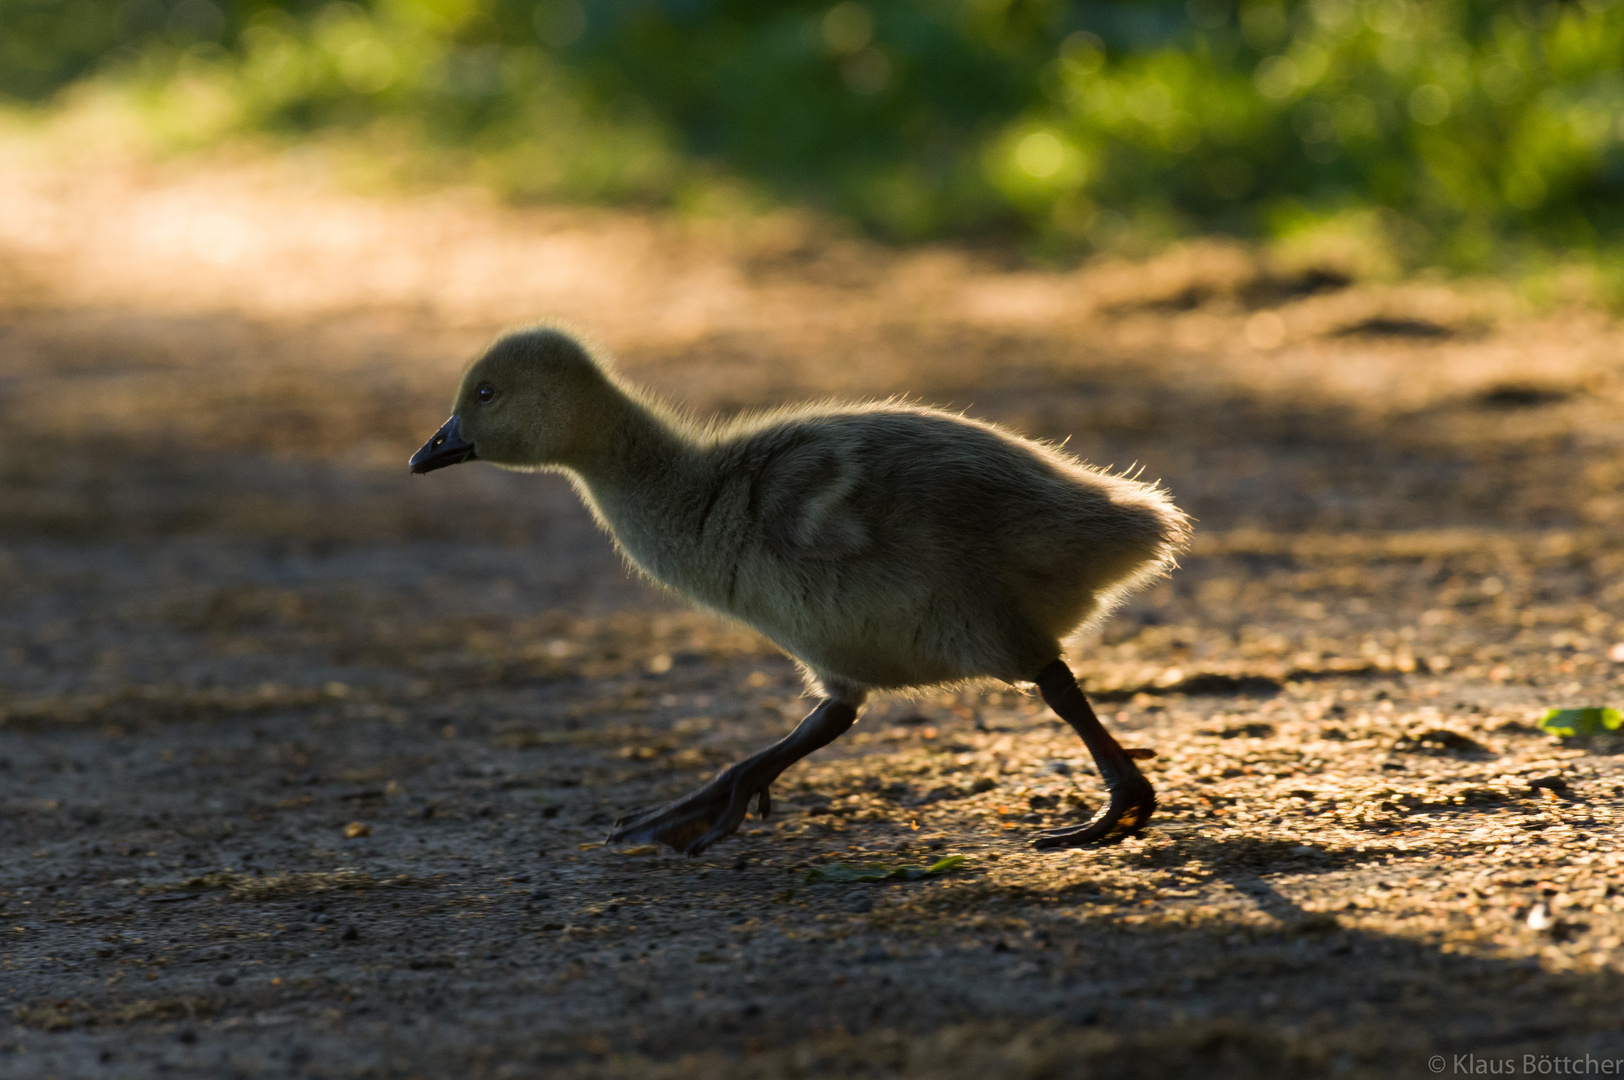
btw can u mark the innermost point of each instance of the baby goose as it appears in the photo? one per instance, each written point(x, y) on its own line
point(882, 546)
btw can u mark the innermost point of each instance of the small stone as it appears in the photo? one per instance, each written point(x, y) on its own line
point(356, 829)
point(858, 901)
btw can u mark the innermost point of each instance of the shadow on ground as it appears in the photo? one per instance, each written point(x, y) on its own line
point(304, 762)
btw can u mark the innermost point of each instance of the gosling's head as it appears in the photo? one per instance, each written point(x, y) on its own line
point(536, 397)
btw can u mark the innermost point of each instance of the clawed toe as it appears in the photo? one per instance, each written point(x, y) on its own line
point(634, 819)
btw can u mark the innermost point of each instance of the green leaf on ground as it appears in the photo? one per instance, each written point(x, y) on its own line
point(842, 872)
point(1570, 723)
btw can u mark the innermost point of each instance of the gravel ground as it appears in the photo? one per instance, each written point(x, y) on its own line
point(305, 764)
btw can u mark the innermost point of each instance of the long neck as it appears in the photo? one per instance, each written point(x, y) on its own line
point(638, 471)
point(631, 441)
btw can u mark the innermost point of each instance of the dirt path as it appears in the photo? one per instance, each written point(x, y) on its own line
point(304, 761)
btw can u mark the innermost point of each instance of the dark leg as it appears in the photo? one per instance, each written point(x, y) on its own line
point(716, 810)
point(1132, 798)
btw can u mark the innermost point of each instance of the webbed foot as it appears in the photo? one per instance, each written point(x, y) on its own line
point(1133, 800)
point(716, 810)
point(692, 824)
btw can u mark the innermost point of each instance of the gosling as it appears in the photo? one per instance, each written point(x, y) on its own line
point(883, 546)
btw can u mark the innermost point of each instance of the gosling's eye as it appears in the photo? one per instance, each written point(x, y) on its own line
point(485, 394)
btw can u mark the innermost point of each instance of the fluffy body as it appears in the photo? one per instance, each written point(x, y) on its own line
point(884, 546)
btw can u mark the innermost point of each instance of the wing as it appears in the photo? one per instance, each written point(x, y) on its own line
point(808, 506)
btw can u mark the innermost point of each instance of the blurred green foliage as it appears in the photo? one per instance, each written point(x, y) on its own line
point(1581, 723)
point(1460, 131)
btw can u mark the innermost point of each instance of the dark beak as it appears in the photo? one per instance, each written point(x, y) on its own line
point(446, 448)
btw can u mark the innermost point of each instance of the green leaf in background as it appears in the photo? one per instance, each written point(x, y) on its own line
point(842, 872)
point(1571, 723)
point(1399, 133)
